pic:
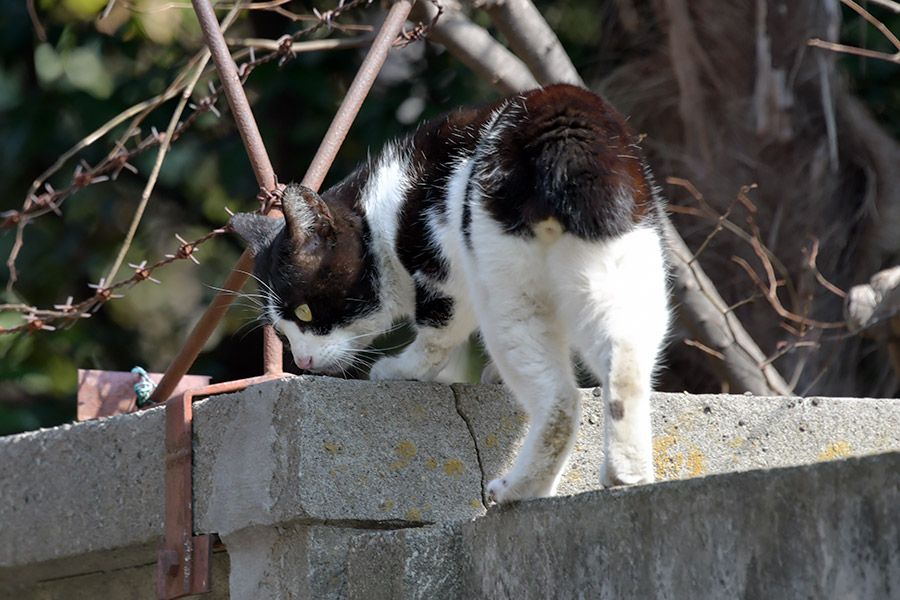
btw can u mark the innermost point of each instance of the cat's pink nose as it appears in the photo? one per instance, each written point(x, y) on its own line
point(304, 363)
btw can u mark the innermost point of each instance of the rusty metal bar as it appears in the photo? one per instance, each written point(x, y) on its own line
point(358, 91)
point(184, 561)
point(313, 178)
point(234, 92)
point(204, 328)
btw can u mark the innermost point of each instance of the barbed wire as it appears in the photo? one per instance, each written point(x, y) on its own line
point(37, 319)
point(50, 199)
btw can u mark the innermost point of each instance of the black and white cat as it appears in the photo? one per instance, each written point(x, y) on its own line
point(533, 220)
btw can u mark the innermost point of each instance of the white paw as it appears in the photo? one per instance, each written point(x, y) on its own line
point(497, 491)
point(490, 373)
point(511, 488)
point(614, 473)
point(388, 369)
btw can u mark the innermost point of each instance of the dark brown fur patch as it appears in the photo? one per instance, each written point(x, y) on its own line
point(616, 410)
point(565, 153)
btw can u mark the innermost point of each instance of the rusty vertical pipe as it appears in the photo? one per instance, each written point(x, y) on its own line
point(360, 87)
point(256, 149)
point(234, 92)
point(265, 176)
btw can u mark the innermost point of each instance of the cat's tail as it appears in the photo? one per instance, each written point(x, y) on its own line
point(567, 156)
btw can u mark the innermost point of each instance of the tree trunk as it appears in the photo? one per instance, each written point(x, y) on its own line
point(735, 96)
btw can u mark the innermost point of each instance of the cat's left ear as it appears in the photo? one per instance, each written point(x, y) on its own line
point(305, 213)
point(256, 230)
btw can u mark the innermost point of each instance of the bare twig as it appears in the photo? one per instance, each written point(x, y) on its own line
point(160, 156)
point(35, 21)
point(476, 49)
point(770, 291)
point(704, 313)
point(865, 52)
point(309, 46)
point(532, 40)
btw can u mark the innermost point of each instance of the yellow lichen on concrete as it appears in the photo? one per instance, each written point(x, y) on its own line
point(331, 448)
point(431, 463)
point(836, 450)
point(490, 441)
point(406, 450)
point(669, 466)
point(666, 466)
point(454, 467)
point(696, 462)
point(413, 514)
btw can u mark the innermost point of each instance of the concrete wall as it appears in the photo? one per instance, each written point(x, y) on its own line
point(322, 488)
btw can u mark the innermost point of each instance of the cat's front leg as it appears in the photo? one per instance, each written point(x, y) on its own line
point(422, 360)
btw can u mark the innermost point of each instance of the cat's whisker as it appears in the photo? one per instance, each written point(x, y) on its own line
point(253, 326)
point(265, 285)
point(255, 298)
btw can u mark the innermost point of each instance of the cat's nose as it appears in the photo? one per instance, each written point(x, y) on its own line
point(304, 363)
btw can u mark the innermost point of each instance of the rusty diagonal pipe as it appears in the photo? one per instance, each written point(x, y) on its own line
point(265, 175)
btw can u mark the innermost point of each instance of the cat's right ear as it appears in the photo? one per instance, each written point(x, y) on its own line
point(258, 231)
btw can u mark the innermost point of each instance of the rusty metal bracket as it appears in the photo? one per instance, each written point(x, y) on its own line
point(184, 562)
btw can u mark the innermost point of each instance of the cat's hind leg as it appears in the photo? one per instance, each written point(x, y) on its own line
point(530, 351)
point(614, 301)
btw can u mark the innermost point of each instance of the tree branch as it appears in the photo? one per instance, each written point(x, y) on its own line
point(476, 49)
point(532, 40)
point(873, 311)
point(705, 314)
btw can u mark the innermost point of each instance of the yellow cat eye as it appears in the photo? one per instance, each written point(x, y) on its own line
point(303, 313)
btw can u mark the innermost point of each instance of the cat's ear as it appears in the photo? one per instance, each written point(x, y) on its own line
point(256, 230)
point(305, 212)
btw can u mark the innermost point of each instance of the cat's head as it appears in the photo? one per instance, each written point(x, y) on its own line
point(317, 278)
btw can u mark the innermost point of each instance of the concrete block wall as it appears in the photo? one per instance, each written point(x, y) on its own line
point(322, 488)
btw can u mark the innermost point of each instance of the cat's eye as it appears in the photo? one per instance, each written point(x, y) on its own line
point(303, 313)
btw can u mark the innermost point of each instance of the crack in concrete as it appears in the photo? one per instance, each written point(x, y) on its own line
point(471, 429)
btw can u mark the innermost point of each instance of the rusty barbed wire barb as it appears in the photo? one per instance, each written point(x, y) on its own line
point(66, 313)
point(421, 30)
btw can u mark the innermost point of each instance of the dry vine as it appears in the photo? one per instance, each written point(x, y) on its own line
point(805, 331)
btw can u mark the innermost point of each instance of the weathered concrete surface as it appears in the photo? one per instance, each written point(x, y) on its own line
point(321, 449)
point(696, 435)
point(130, 583)
point(825, 531)
point(81, 498)
point(291, 473)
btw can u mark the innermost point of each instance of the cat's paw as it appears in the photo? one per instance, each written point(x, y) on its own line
point(509, 489)
point(497, 491)
point(490, 373)
point(614, 474)
point(392, 368)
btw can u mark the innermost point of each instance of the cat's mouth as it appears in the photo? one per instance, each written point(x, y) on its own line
point(310, 366)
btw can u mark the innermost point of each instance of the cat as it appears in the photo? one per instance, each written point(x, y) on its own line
point(534, 220)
